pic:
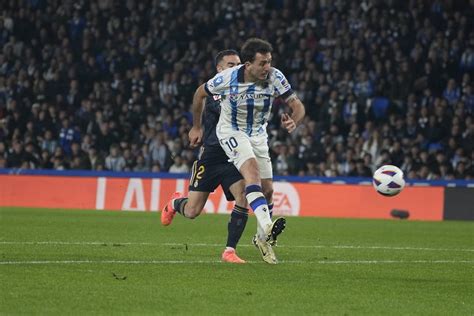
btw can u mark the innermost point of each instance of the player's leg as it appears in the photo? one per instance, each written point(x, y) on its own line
point(261, 150)
point(254, 193)
point(192, 206)
point(258, 203)
point(267, 192)
point(240, 149)
point(239, 215)
point(203, 181)
point(267, 187)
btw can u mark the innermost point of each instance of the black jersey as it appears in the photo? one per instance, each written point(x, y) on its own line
point(210, 117)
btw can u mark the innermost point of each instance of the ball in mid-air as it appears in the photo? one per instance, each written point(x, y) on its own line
point(388, 180)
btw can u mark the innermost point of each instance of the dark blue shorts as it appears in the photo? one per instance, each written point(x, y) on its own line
point(213, 169)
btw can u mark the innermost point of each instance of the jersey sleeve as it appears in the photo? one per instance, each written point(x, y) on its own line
point(281, 84)
point(217, 84)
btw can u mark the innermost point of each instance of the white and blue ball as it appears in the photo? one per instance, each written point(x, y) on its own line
point(388, 180)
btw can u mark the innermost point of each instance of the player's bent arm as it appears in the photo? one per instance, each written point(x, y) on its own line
point(297, 107)
point(198, 105)
point(195, 134)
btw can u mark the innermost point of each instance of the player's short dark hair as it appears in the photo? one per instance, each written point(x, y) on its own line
point(253, 46)
point(227, 52)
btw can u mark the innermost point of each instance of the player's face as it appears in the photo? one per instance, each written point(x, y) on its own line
point(260, 67)
point(228, 61)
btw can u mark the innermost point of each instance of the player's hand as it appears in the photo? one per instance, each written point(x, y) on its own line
point(288, 122)
point(195, 136)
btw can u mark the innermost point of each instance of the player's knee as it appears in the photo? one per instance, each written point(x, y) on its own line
point(250, 172)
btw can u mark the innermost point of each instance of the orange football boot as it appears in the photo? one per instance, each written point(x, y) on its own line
point(231, 256)
point(168, 212)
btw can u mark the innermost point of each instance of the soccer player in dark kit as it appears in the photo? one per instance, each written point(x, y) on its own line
point(211, 170)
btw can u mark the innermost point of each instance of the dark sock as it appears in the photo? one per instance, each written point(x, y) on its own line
point(236, 225)
point(270, 208)
point(179, 205)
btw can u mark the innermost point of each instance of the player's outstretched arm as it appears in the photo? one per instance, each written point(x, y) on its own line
point(298, 112)
point(195, 134)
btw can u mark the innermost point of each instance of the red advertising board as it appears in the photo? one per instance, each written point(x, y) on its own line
point(137, 194)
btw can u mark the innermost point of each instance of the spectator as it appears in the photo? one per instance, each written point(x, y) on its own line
point(159, 152)
point(16, 156)
point(48, 143)
point(67, 135)
point(95, 76)
point(140, 165)
point(281, 165)
point(452, 93)
point(115, 161)
point(178, 166)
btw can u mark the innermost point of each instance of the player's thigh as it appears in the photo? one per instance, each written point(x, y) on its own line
point(261, 150)
point(204, 179)
point(237, 147)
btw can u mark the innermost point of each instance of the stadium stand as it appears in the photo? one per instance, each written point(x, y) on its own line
point(107, 85)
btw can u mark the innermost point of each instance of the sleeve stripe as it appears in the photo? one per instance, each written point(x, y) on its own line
point(287, 94)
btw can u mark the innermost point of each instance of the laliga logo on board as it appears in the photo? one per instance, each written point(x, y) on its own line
point(286, 200)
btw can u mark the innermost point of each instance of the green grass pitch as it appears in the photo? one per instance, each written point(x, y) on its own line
point(96, 262)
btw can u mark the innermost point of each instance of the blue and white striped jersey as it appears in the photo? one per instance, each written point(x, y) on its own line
point(246, 106)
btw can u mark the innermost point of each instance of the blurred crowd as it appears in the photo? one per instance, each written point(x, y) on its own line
point(108, 85)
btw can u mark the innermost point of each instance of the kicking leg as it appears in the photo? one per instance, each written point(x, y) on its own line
point(267, 187)
point(253, 192)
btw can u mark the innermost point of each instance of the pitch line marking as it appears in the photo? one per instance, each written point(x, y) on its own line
point(335, 247)
point(145, 262)
point(105, 243)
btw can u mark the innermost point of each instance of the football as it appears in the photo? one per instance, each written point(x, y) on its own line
point(388, 180)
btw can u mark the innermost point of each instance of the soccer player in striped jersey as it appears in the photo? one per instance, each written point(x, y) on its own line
point(211, 170)
point(247, 93)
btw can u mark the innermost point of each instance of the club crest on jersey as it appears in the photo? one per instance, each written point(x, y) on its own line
point(218, 81)
point(279, 75)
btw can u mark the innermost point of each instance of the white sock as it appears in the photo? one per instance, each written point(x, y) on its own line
point(261, 233)
point(260, 208)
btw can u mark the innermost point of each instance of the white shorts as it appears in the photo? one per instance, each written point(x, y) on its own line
point(239, 147)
